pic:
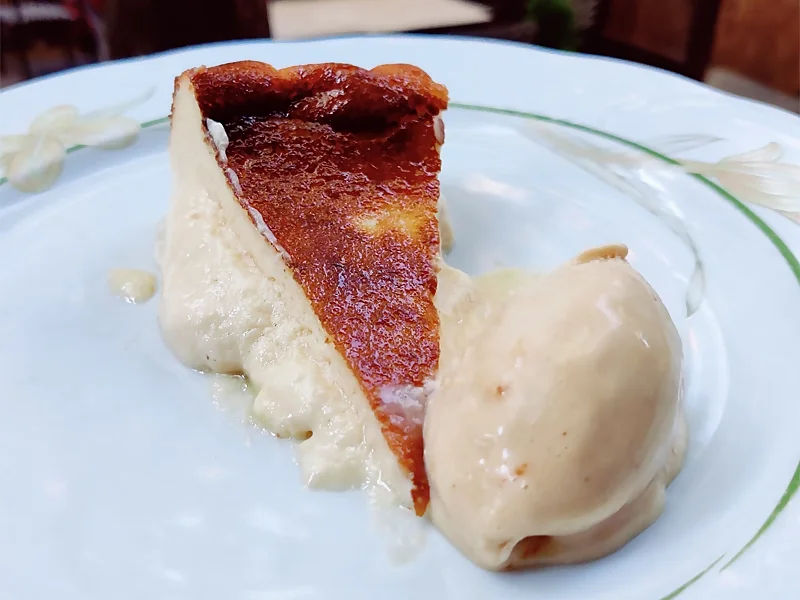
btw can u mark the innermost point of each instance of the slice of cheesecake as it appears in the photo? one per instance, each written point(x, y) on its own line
point(323, 184)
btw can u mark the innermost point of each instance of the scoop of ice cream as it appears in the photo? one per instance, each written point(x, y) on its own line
point(557, 422)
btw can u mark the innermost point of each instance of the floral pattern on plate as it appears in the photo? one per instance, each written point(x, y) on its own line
point(33, 161)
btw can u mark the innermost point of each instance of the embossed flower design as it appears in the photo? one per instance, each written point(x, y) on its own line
point(34, 160)
point(757, 177)
point(623, 170)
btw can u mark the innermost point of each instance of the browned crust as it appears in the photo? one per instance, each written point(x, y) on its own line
point(368, 100)
point(317, 150)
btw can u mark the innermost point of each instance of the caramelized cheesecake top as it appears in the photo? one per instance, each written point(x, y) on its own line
point(338, 168)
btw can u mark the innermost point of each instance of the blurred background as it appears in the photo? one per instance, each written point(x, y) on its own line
point(748, 47)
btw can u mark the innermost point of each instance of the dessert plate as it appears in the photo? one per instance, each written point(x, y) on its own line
point(125, 475)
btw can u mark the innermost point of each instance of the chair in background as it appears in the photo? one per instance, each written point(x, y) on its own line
point(44, 36)
point(141, 27)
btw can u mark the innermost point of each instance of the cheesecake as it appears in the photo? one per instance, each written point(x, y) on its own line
point(302, 248)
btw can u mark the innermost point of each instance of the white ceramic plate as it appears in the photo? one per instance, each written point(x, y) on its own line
point(120, 479)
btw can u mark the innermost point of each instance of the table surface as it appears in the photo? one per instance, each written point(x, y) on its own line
point(294, 19)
